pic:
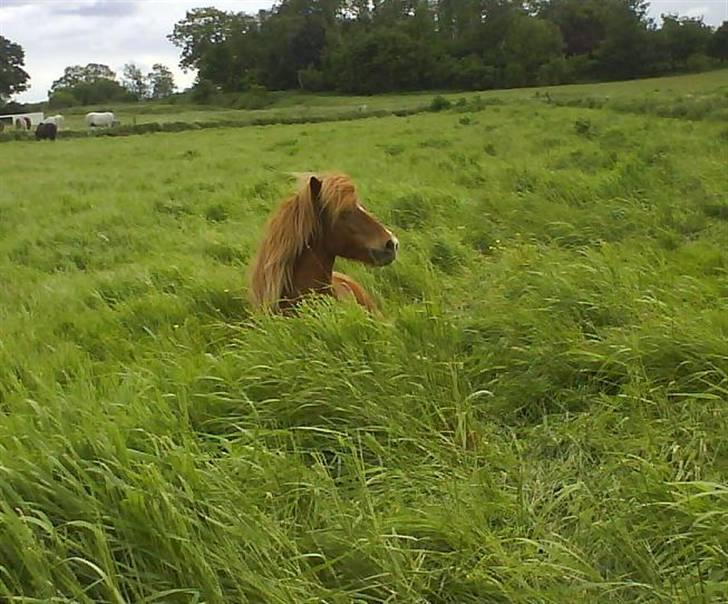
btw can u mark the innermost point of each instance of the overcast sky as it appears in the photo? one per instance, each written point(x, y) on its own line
point(58, 33)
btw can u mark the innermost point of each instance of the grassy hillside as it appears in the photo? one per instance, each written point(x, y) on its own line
point(541, 416)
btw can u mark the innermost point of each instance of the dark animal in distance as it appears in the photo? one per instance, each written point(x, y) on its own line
point(46, 131)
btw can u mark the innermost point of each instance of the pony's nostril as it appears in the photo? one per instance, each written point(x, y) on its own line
point(386, 254)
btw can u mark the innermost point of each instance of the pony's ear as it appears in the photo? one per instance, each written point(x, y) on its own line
point(315, 186)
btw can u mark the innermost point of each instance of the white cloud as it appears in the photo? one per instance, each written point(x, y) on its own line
point(96, 8)
point(57, 33)
point(714, 12)
point(697, 11)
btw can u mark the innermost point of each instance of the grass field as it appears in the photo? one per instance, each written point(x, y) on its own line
point(285, 105)
point(541, 416)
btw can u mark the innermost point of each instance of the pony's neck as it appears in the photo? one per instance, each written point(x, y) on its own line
point(312, 272)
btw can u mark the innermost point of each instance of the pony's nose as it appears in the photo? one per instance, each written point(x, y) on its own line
point(385, 255)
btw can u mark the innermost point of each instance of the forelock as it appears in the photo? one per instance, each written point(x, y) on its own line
point(338, 193)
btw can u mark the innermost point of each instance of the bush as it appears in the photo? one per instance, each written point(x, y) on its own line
point(312, 80)
point(580, 67)
point(265, 120)
point(584, 128)
point(478, 103)
point(556, 71)
point(8, 135)
point(515, 76)
point(62, 98)
point(216, 213)
point(439, 103)
point(470, 73)
point(204, 92)
point(699, 62)
point(178, 126)
point(257, 97)
point(91, 93)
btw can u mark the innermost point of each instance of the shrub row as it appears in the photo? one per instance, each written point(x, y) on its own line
point(438, 103)
point(150, 127)
point(688, 107)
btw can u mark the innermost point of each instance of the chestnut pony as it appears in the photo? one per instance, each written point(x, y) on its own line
point(322, 220)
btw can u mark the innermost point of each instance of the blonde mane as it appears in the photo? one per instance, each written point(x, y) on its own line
point(292, 226)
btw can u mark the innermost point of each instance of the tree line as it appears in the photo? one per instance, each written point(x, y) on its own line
point(97, 83)
point(83, 84)
point(371, 46)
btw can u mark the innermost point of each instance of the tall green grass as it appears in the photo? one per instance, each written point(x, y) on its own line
point(540, 416)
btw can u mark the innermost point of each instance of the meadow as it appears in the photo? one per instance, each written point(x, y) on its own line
point(540, 416)
point(664, 95)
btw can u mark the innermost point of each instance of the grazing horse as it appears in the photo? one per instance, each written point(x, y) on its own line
point(322, 220)
point(102, 119)
point(46, 130)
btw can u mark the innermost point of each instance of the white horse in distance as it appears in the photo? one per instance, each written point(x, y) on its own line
point(57, 120)
point(104, 119)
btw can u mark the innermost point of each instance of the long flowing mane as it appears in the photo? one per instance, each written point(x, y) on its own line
point(292, 226)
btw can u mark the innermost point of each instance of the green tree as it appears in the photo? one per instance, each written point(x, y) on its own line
point(13, 78)
point(77, 74)
point(683, 37)
point(382, 60)
point(201, 30)
point(160, 81)
point(63, 97)
point(204, 91)
point(627, 50)
point(224, 47)
point(584, 23)
point(295, 37)
point(529, 44)
point(718, 46)
point(383, 45)
point(486, 28)
point(581, 22)
point(93, 84)
point(99, 91)
point(294, 42)
point(134, 81)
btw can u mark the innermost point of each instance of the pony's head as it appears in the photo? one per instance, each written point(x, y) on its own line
point(344, 227)
point(325, 215)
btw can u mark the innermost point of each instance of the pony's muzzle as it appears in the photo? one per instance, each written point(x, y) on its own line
point(387, 254)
